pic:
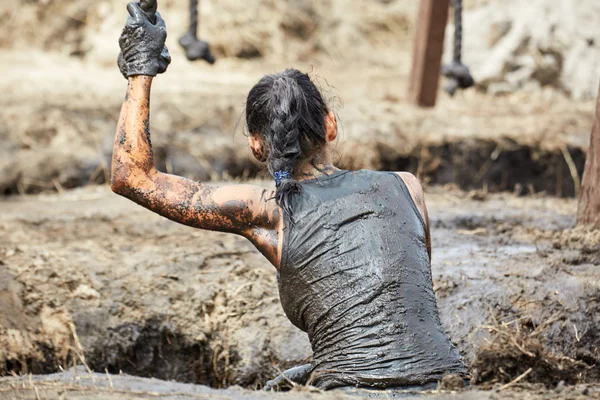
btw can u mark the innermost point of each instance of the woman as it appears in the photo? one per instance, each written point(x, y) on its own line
point(352, 249)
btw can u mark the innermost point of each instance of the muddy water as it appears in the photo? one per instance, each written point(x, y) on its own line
point(151, 298)
point(78, 383)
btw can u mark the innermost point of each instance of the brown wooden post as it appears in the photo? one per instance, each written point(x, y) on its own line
point(589, 202)
point(427, 53)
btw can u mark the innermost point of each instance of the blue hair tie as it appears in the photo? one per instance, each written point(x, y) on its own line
point(279, 175)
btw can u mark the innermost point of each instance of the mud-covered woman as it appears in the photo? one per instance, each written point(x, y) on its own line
point(351, 248)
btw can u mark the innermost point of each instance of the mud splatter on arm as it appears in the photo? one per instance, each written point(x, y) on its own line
point(242, 209)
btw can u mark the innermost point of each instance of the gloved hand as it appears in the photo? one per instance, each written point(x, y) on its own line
point(143, 50)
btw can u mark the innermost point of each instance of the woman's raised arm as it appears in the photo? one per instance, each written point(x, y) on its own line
point(243, 209)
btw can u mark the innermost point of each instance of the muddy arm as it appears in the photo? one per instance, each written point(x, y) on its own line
point(416, 192)
point(241, 209)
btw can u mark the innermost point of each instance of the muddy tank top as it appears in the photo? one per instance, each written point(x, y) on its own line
point(356, 276)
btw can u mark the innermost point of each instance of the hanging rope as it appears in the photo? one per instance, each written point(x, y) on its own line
point(195, 49)
point(457, 73)
point(149, 7)
point(194, 17)
point(457, 5)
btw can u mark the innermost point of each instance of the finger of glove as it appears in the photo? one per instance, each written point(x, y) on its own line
point(160, 27)
point(164, 60)
point(127, 34)
point(137, 15)
point(165, 54)
point(122, 65)
point(160, 22)
point(129, 42)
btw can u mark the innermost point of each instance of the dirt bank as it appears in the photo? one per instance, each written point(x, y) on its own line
point(88, 274)
point(63, 139)
point(62, 93)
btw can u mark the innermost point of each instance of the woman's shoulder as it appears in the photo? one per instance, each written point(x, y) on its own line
point(409, 179)
point(416, 191)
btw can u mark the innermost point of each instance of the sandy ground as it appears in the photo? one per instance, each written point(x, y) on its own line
point(88, 274)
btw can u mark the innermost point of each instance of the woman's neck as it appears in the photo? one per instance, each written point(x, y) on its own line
point(314, 168)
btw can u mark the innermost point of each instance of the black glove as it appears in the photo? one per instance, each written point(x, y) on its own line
point(143, 50)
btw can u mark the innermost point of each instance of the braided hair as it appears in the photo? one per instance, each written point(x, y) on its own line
point(288, 111)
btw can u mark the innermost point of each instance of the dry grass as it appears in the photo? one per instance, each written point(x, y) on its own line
point(516, 353)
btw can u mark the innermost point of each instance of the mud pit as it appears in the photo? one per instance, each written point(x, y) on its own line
point(89, 274)
point(80, 384)
point(84, 273)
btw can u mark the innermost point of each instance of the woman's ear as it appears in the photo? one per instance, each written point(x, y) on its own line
point(330, 127)
point(256, 145)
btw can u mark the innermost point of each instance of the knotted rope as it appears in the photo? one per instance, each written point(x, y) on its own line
point(195, 49)
point(457, 73)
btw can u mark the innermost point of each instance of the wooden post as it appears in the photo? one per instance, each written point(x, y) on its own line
point(589, 202)
point(427, 53)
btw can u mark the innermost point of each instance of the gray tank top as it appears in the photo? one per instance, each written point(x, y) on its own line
point(355, 275)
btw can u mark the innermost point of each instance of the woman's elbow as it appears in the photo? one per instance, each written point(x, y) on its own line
point(120, 181)
point(129, 183)
point(119, 184)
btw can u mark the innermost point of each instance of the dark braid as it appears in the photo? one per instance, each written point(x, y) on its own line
point(288, 111)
